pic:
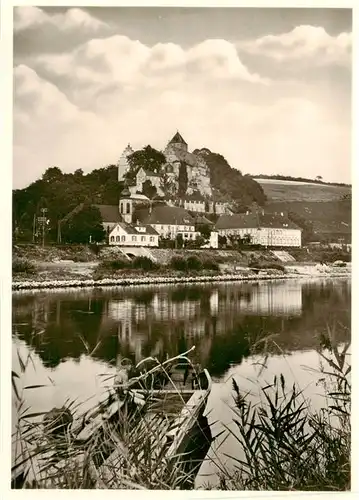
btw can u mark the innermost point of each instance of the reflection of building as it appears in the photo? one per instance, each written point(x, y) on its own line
point(274, 299)
point(214, 302)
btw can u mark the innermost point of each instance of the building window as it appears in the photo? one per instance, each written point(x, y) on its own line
point(128, 208)
point(134, 238)
point(143, 238)
point(162, 228)
point(112, 238)
point(121, 208)
point(117, 238)
point(123, 238)
point(186, 235)
point(152, 238)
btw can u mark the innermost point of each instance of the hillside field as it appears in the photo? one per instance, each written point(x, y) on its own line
point(277, 190)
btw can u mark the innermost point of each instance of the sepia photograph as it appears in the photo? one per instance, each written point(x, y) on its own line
point(181, 248)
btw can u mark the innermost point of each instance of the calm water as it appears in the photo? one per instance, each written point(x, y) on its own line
point(76, 337)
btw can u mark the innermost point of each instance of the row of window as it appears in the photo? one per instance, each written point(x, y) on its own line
point(179, 228)
point(134, 238)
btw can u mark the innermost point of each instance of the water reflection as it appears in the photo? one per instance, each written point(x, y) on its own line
point(224, 321)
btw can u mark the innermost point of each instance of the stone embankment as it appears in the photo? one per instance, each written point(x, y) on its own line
point(158, 280)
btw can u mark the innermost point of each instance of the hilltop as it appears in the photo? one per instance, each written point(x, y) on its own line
point(291, 190)
point(325, 208)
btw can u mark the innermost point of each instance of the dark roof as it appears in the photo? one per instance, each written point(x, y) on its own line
point(125, 193)
point(177, 139)
point(163, 214)
point(252, 220)
point(131, 228)
point(201, 219)
point(109, 213)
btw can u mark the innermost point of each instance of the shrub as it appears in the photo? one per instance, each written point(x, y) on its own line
point(194, 263)
point(143, 262)
point(211, 265)
point(178, 263)
point(22, 266)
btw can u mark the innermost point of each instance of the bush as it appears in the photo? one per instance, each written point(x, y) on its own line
point(23, 266)
point(143, 262)
point(194, 263)
point(178, 263)
point(211, 265)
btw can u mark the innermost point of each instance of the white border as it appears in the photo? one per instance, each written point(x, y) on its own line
point(6, 21)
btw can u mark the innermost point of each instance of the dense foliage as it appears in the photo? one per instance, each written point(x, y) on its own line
point(85, 226)
point(229, 181)
point(60, 193)
point(148, 158)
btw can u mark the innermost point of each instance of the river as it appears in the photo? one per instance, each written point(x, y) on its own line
point(76, 337)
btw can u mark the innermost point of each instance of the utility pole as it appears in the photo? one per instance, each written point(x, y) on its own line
point(33, 228)
point(43, 219)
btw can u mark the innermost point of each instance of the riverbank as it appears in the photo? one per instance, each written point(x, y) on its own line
point(38, 268)
point(158, 280)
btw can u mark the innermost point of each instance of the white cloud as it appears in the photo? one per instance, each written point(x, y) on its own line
point(111, 91)
point(303, 43)
point(118, 59)
point(28, 17)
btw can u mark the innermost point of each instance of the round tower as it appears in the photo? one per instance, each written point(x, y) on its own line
point(123, 164)
point(126, 205)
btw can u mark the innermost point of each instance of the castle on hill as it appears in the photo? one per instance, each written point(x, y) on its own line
point(198, 195)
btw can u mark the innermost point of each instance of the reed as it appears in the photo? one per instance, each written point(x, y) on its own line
point(286, 445)
point(126, 453)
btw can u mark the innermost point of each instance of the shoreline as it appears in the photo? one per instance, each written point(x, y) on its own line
point(159, 280)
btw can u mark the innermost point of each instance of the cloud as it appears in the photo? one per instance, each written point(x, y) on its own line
point(79, 108)
point(28, 17)
point(303, 43)
point(118, 59)
point(293, 134)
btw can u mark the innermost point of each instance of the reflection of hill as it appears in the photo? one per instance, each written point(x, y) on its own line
point(223, 321)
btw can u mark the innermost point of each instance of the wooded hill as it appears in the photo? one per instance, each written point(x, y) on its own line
point(60, 192)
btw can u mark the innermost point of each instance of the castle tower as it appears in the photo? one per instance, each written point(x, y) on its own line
point(178, 142)
point(126, 205)
point(123, 164)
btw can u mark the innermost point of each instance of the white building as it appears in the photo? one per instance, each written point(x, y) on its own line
point(134, 235)
point(123, 164)
point(168, 221)
point(274, 230)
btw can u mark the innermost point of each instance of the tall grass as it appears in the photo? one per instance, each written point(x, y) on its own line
point(128, 448)
point(286, 445)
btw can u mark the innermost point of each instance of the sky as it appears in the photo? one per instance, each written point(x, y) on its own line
point(269, 89)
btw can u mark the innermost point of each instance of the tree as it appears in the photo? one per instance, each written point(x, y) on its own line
point(205, 230)
point(222, 241)
point(83, 226)
point(52, 174)
point(148, 189)
point(179, 240)
point(148, 158)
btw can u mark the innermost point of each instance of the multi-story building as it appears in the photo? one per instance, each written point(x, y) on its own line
point(272, 230)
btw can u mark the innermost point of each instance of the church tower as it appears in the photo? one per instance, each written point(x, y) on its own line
point(123, 164)
point(126, 205)
point(178, 142)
